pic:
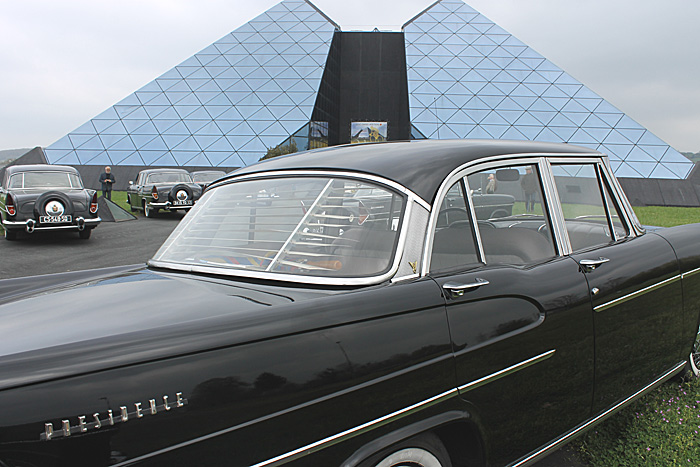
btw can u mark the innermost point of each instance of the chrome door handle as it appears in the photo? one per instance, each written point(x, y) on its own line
point(588, 265)
point(457, 290)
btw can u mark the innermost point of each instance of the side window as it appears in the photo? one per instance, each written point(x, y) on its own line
point(511, 215)
point(619, 227)
point(584, 206)
point(453, 240)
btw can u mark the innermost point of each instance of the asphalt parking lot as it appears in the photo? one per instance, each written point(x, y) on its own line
point(120, 244)
point(111, 244)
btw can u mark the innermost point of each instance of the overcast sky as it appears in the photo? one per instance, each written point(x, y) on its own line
point(64, 62)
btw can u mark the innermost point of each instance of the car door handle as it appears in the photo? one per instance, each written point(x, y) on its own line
point(457, 290)
point(588, 265)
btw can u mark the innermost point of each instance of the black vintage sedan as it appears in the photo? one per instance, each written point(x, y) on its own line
point(167, 189)
point(319, 309)
point(46, 197)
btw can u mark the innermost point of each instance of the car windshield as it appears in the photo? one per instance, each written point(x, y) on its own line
point(169, 177)
point(206, 177)
point(45, 180)
point(312, 226)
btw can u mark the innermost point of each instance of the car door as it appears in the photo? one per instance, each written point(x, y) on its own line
point(633, 280)
point(519, 312)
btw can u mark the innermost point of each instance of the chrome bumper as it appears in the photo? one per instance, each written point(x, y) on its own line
point(169, 206)
point(30, 225)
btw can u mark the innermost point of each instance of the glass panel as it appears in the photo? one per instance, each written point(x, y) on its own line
point(453, 240)
point(303, 226)
point(582, 204)
point(619, 227)
point(46, 180)
point(513, 222)
point(169, 177)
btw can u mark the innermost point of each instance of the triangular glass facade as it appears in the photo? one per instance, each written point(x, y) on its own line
point(468, 78)
point(224, 106)
point(257, 87)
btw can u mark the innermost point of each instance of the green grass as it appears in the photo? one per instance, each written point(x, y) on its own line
point(666, 216)
point(119, 197)
point(659, 430)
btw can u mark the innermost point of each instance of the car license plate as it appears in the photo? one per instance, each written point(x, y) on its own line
point(186, 202)
point(54, 219)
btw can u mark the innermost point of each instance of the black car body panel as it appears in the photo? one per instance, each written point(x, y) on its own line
point(46, 197)
point(501, 335)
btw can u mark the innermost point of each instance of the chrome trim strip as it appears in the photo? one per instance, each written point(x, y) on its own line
point(630, 296)
point(352, 432)
point(690, 273)
point(92, 220)
point(328, 173)
point(505, 372)
point(576, 431)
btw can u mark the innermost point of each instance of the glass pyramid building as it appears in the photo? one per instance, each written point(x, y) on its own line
point(279, 77)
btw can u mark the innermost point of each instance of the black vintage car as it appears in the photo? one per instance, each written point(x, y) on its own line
point(310, 310)
point(167, 189)
point(46, 197)
point(204, 177)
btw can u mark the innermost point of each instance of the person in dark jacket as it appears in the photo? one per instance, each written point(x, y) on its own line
point(107, 180)
point(529, 185)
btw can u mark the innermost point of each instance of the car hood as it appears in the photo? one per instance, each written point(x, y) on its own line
point(133, 316)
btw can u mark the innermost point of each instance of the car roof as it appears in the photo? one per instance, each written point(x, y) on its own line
point(40, 168)
point(419, 165)
point(174, 169)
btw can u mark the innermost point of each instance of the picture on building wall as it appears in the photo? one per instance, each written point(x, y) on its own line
point(318, 135)
point(367, 132)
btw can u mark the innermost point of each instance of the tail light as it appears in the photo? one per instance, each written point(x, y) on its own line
point(93, 203)
point(10, 206)
point(154, 192)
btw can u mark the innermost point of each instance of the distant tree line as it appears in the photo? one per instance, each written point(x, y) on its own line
point(695, 157)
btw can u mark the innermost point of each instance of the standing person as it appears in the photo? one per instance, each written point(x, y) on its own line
point(107, 180)
point(529, 185)
point(491, 185)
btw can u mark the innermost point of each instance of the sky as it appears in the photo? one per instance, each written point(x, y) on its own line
point(64, 62)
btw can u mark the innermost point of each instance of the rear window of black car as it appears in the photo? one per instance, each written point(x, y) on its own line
point(311, 226)
point(44, 180)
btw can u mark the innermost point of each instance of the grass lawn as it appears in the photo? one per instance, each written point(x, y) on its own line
point(659, 430)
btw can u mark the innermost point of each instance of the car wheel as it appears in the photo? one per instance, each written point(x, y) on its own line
point(694, 359)
point(85, 233)
point(10, 235)
point(421, 451)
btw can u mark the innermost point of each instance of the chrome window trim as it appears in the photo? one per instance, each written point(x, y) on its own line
point(634, 227)
point(328, 173)
point(556, 444)
point(304, 279)
point(556, 213)
point(493, 161)
point(637, 293)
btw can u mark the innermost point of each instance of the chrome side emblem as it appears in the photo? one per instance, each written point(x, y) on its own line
point(90, 423)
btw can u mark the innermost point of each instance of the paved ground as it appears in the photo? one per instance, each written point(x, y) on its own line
point(111, 244)
point(119, 244)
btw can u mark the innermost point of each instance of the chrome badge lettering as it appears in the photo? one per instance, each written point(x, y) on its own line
point(85, 423)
